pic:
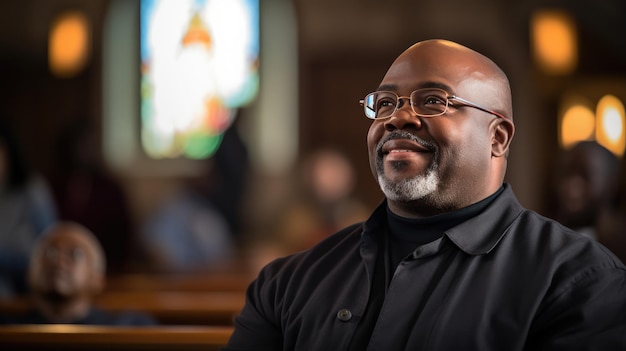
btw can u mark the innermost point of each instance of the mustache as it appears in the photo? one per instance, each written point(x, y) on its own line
point(401, 134)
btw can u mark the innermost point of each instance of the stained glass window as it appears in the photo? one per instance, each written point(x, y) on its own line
point(199, 65)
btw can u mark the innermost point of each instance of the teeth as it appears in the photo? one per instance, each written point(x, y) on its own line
point(400, 150)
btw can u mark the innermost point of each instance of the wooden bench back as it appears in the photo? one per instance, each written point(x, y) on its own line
point(222, 281)
point(168, 308)
point(81, 337)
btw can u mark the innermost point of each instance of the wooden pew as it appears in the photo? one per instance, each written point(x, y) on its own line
point(168, 308)
point(234, 275)
point(227, 281)
point(178, 308)
point(81, 337)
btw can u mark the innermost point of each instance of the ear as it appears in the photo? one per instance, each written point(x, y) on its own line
point(501, 136)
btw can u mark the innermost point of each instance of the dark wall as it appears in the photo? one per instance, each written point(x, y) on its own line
point(344, 49)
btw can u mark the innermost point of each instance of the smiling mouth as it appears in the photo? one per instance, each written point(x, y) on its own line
point(398, 146)
point(399, 150)
point(403, 142)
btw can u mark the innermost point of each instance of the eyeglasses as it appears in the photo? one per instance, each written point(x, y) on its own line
point(429, 102)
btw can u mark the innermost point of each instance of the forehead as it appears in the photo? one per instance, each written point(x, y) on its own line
point(68, 239)
point(437, 65)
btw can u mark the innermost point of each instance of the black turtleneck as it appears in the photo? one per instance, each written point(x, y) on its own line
point(403, 236)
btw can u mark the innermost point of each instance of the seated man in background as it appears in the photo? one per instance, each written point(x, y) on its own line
point(66, 272)
point(587, 188)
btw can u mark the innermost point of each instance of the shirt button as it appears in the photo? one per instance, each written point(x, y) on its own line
point(344, 315)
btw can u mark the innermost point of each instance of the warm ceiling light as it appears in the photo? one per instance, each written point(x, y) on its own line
point(611, 124)
point(68, 44)
point(553, 35)
point(577, 124)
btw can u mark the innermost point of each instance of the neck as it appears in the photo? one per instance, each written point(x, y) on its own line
point(430, 206)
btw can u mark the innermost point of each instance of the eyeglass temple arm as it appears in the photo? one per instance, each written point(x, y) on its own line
point(362, 103)
point(471, 104)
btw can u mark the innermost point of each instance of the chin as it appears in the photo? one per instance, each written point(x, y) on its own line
point(409, 189)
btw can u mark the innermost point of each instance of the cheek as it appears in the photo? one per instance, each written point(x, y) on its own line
point(478, 155)
point(374, 135)
point(463, 144)
point(81, 274)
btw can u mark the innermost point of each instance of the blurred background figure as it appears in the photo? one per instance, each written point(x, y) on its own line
point(87, 193)
point(66, 272)
point(612, 233)
point(187, 232)
point(322, 202)
point(587, 188)
point(328, 181)
point(26, 209)
point(199, 227)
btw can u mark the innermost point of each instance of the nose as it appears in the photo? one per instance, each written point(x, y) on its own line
point(62, 260)
point(404, 117)
point(58, 257)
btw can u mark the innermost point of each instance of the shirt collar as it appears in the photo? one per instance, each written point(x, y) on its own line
point(480, 234)
point(476, 236)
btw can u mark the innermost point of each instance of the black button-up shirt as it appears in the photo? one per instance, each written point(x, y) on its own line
point(506, 279)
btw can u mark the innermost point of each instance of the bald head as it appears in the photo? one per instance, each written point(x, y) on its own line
point(78, 234)
point(473, 75)
point(68, 261)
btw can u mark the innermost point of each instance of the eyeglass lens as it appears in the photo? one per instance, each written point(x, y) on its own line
point(424, 102)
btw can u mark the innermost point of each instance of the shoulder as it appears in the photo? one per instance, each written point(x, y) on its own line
point(542, 237)
point(564, 243)
point(98, 316)
point(30, 317)
point(582, 285)
point(565, 257)
point(135, 318)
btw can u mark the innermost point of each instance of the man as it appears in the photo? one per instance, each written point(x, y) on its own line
point(450, 260)
point(67, 270)
point(586, 187)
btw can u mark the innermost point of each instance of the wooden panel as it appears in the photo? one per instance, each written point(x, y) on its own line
point(332, 117)
point(168, 308)
point(77, 337)
point(179, 282)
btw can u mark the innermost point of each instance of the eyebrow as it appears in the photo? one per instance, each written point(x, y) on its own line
point(429, 84)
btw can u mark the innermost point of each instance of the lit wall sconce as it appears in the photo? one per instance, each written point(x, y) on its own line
point(606, 123)
point(69, 44)
point(577, 120)
point(611, 124)
point(554, 41)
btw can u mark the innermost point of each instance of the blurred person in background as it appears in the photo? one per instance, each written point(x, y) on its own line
point(26, 210)
point(329, 180)
point(66, 272)
point(200, 227)
point(321, 202)
point(612, 231)
point(86, 192)
point(187, 232)
point(587, 188)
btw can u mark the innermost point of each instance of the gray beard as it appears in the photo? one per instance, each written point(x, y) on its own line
point(413, 188)
point(410, 189)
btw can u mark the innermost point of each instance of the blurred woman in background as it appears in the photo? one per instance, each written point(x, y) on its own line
point(26, 210)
